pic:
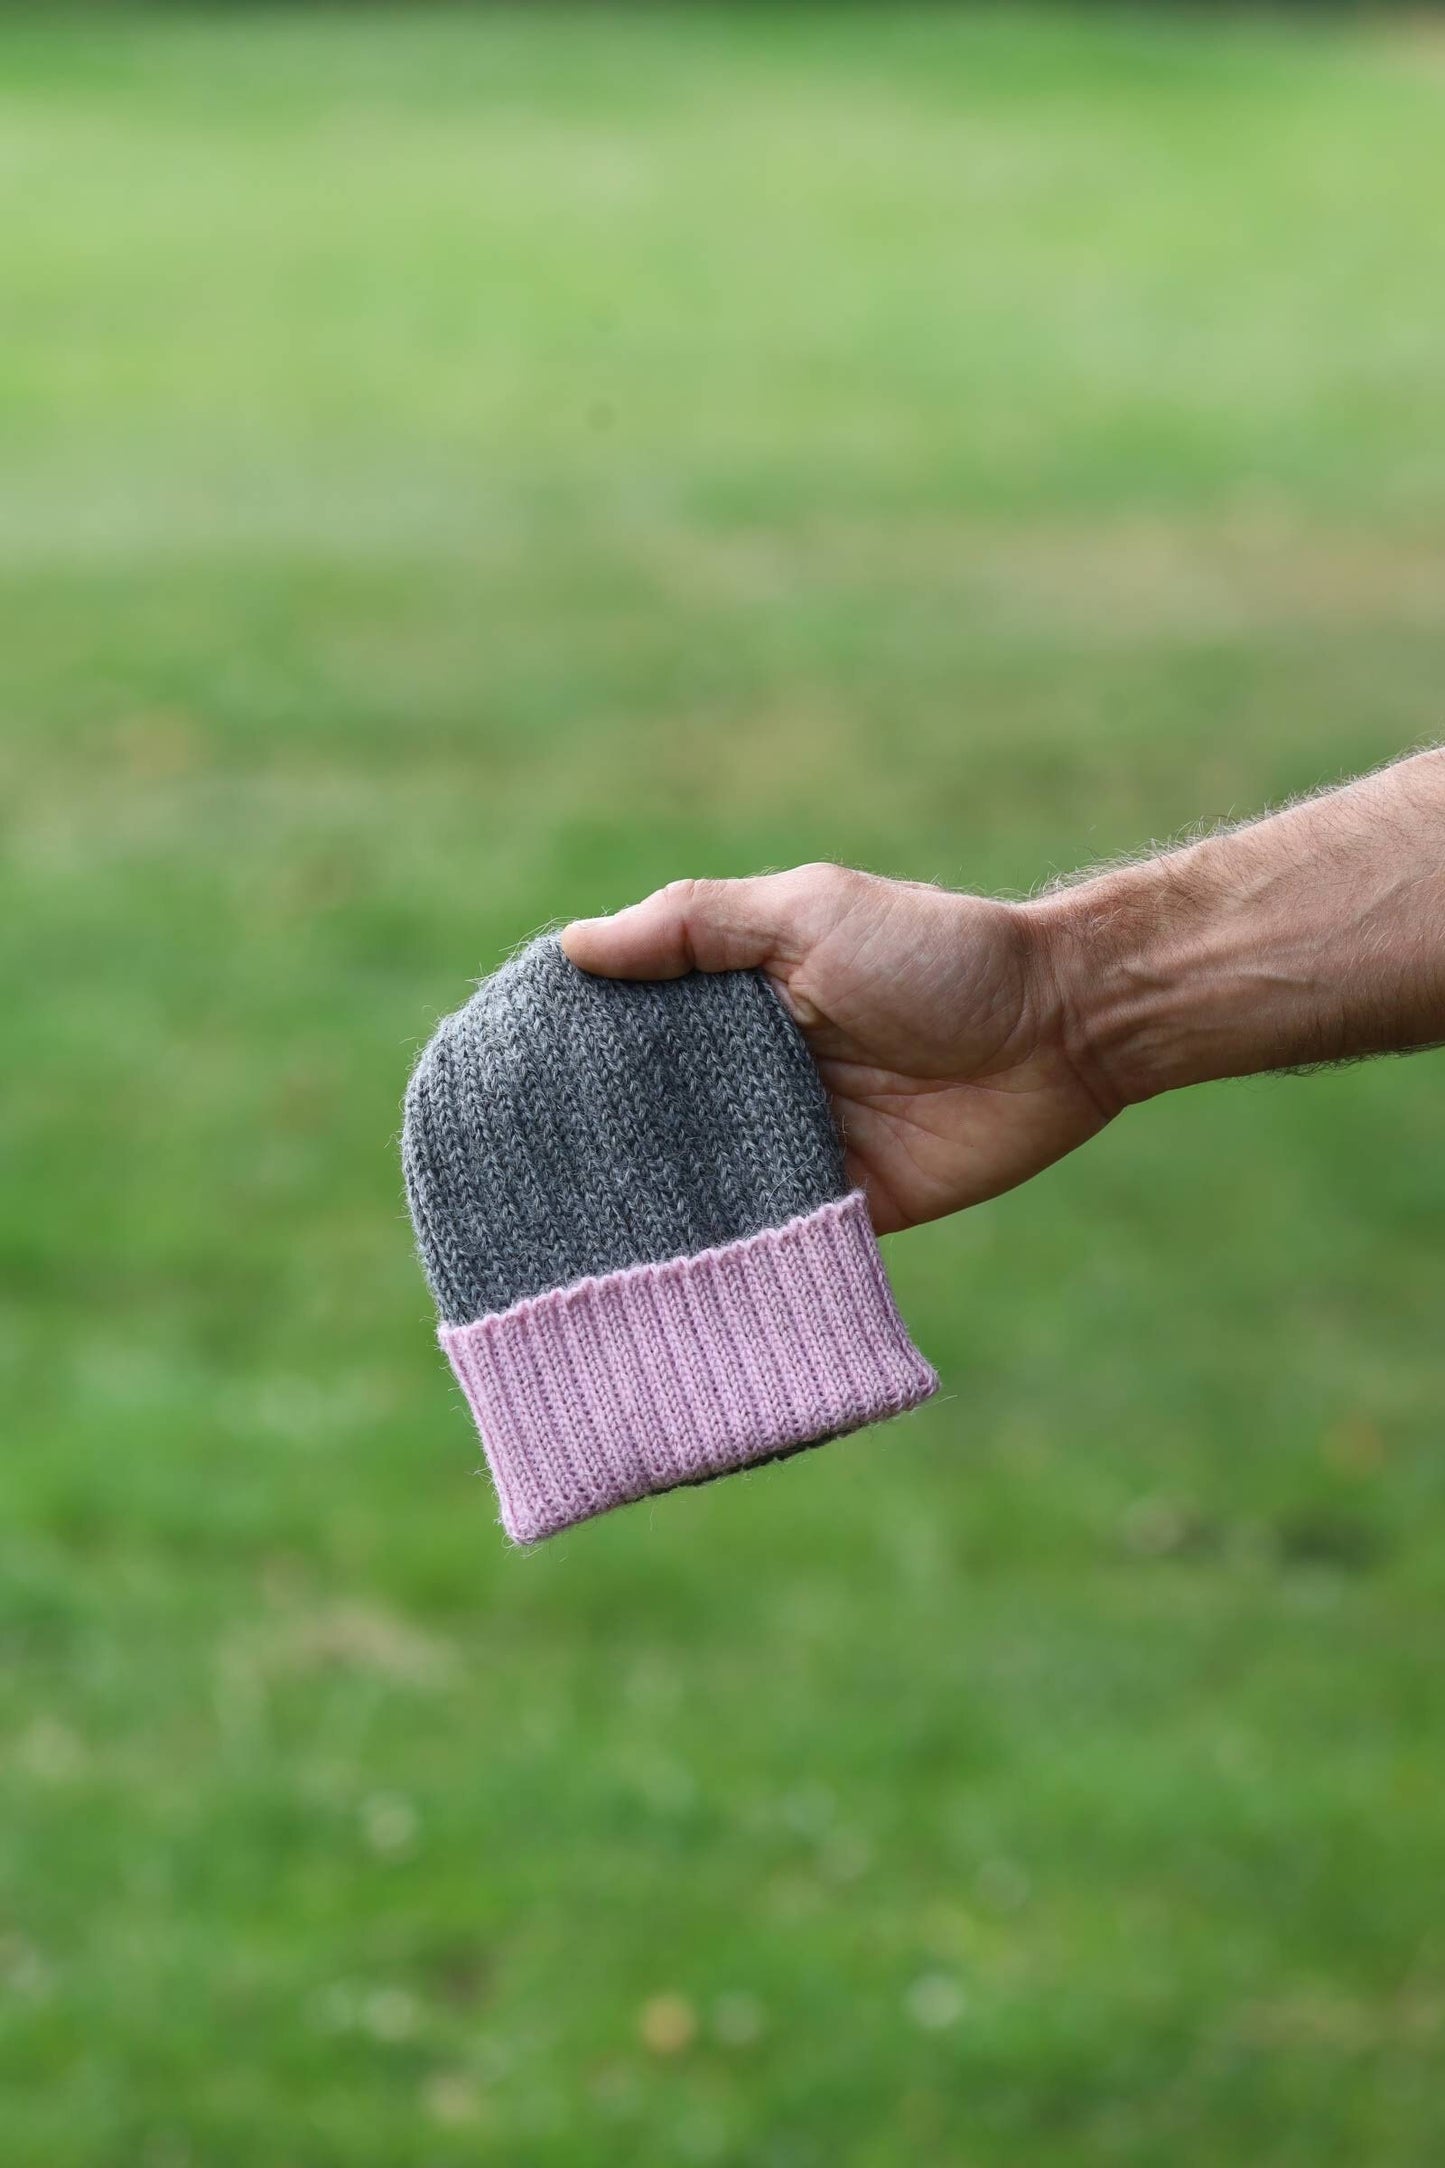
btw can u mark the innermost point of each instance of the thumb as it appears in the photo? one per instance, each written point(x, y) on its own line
point(695, 926)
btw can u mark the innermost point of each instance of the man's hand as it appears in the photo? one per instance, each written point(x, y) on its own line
point(934, 1018)
point(967, 1044)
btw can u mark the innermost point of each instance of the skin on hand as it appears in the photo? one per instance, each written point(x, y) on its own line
point(969, 1043)
point(935, 1020)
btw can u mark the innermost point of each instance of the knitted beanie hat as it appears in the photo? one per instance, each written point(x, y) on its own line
point(630, 1204)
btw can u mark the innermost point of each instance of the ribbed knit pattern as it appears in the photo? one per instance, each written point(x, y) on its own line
point(561, 1125)
point(665, 1374)
point(630, 1204)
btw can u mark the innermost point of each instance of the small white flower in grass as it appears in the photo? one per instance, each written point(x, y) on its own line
point(50, 1751)
point(737, 2020)
point(388, 1823)
point(934, 2002)
point(390, 2014)
point(452, 2098)
point(667, 2025)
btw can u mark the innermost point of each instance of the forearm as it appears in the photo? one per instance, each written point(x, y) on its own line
point(1315, 935)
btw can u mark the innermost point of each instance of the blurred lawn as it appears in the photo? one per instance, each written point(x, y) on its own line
point(460, 471)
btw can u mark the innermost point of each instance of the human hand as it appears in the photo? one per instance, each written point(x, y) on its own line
point(934, 1018)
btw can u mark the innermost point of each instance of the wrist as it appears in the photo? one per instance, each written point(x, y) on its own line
point(1124, 958)
point(1193, 966)
point(1308, 937)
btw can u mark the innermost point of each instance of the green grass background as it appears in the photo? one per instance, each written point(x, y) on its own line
point(460, 470)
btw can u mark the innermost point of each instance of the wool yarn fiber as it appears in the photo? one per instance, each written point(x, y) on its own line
point(631, 1208)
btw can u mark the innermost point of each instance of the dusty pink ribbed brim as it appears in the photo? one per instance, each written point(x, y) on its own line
point(618, 1387)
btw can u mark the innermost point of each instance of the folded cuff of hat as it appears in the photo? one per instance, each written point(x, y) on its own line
point(634, 1382)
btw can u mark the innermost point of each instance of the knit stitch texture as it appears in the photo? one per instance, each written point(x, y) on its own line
point(631, 1208)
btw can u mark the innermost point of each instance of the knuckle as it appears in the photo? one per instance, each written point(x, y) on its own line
point(824, 881)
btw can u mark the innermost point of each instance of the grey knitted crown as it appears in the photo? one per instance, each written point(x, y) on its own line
point(561, 1125)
